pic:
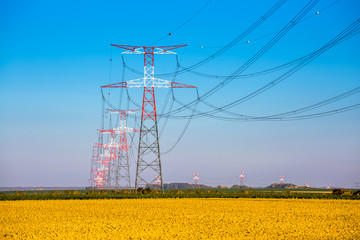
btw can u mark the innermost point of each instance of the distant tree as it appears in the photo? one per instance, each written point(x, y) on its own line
point(124, 191)
point(198, 191)
point(140, 190)
point(148, 190)
point(338, 191)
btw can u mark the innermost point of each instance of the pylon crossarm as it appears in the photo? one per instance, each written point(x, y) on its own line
point(127, 47)
point(115, 111)
point(180, 85)
point(148, 82)
point(167, 48)
point(155, 82)
point(142, 49)
point(124, 130)
point(107, 145)
point(115, 85)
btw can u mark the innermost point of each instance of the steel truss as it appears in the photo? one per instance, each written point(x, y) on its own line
point(148, 168)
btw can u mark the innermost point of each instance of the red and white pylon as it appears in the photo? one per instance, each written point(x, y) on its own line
point(111, 161)
point(98, 179)
point(241, 176)
point(158, 180)
point(148, 161)
point(196, 177)
point(281, 179)
point(107, 155)
point(101, 165)
point(121, 175)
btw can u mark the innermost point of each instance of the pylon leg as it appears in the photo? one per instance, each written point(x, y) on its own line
point(148, 162)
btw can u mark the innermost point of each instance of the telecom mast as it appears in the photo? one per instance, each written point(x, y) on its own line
point(148, 162)
point(241, 176)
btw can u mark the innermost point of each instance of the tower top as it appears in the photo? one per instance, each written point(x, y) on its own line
point(145, 50)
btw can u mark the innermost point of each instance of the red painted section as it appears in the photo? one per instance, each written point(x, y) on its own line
point(148, 106)
point(180, 85)
point(132, 48)
point(116, 85)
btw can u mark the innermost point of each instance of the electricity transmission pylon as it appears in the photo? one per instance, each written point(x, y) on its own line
point(107, 158)
point(98, 177)
point(111, 159)
point(148, 161)
point(281, 179)
point(241, 176)
point(103, 155)
point(121, 164)
point(196, 177)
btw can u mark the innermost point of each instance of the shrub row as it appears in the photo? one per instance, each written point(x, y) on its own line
point(198, 193)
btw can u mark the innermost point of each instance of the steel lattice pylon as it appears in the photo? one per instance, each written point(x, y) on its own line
point(121, 163)
point(110, 160)
point(103, 154)
point(149, 147)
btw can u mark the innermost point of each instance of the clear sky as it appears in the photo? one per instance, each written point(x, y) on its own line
point(55, 56)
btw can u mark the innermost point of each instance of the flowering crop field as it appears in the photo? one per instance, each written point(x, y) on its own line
point(180, 219)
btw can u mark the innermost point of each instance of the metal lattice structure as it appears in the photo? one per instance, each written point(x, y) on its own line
point(103, 155)
point(121, 164)
point(282, 179)
point(148, 161)
point(241, 176)
point(98, 170)
point(196, 177)
point(111, 160)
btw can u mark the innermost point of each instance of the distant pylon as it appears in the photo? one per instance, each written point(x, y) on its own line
point(111, 160)
point(196, 177)
point(158, 180)
point(281, 179)
point(98, 178)
point(327, 186)
point(241, 176)
point(307, 184)
point(121, 165)
point(148, 161)
point(101, 165)
point(107, 155)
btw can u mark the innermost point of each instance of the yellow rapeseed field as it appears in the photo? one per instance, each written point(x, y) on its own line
point(180, 219)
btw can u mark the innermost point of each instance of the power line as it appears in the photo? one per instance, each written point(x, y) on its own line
point(347, 33)
point(290, 114)
point(183, 24)
point(250, 29)
point(255, 57)
point(190, 69)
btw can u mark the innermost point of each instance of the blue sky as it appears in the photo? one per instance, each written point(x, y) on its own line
point(55, 56)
